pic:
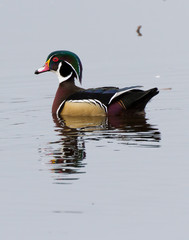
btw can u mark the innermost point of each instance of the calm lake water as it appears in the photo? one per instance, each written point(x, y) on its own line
point(94, 178)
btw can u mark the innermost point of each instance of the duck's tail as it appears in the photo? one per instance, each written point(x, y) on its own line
point(133, 101)
point(136, 100)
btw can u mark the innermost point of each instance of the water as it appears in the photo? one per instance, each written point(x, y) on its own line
point(94, 178)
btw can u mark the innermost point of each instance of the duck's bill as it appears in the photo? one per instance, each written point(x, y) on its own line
point(45, 68)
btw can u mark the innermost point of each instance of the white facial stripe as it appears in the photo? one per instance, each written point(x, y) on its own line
point(73, 69)
point(61, 78)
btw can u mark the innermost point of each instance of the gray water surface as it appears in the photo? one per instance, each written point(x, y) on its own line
point(94, 178)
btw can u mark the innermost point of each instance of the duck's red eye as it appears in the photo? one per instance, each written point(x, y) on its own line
point(55, 59)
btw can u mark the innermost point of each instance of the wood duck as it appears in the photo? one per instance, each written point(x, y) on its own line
point(71, 100)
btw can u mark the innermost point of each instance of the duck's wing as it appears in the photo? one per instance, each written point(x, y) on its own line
point(122, 91)
point(105, 95)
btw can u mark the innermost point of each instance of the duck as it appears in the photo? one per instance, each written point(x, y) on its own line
point(72, 100)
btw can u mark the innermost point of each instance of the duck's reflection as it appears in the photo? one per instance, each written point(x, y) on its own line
point(69, 153)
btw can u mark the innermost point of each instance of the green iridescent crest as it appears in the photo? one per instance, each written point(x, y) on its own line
point(71, 58)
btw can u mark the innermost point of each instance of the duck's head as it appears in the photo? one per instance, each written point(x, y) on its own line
point(65, 64)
